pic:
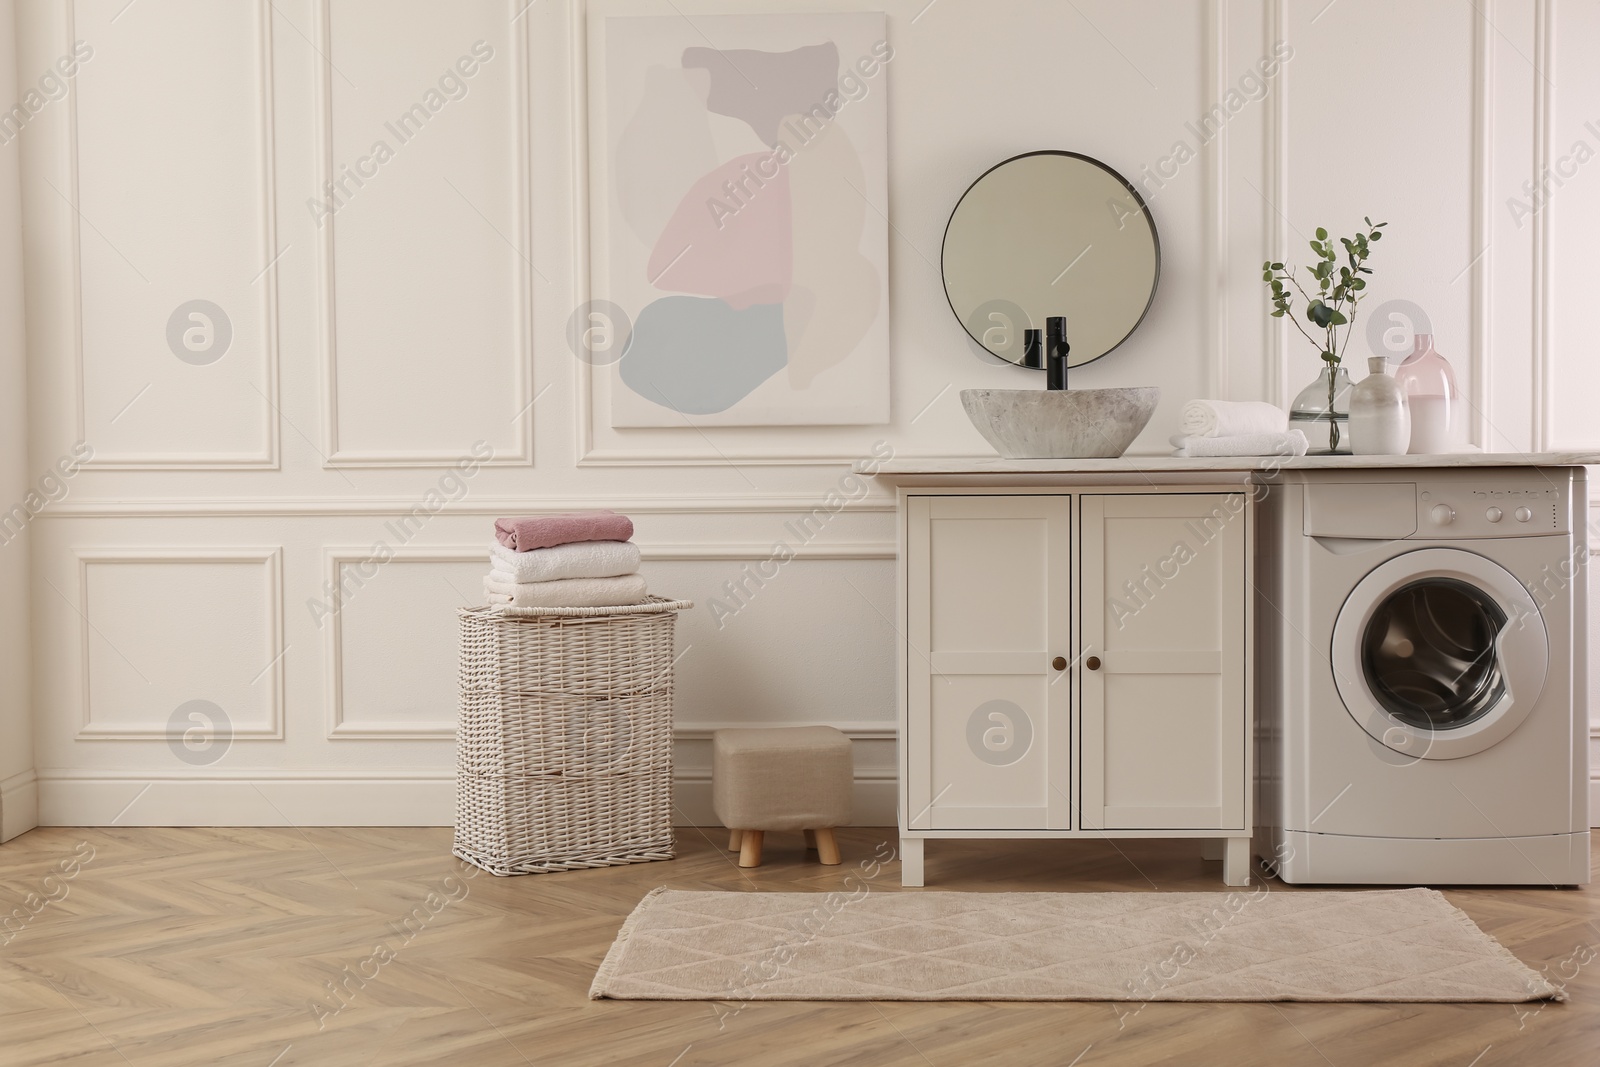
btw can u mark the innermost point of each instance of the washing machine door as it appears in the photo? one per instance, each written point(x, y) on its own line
point(1439, 653)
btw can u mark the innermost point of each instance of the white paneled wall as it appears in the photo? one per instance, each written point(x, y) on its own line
point(297, 270)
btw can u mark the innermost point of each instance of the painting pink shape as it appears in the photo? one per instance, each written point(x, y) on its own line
point(730, 237)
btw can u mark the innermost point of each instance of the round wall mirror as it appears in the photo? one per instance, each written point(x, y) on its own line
point(1050, 233)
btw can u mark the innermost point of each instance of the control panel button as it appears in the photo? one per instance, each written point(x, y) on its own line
point(1494, 514)
point(1523, 514)
point(1443, 514)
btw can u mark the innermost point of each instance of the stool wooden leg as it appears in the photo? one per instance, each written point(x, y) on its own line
point(811, 840)
point(733, 840)
point(750, 849)
point(827, 847)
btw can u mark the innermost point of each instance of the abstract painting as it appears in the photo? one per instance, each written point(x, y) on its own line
point(739, 170)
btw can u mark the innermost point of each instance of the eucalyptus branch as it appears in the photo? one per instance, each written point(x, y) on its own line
point(1348, 332)
point(1339, 289)
point(1296, 281)
point(1302, 329)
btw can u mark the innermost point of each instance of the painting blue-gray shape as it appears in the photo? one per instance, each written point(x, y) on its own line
point(763, 88)
point(700, 356)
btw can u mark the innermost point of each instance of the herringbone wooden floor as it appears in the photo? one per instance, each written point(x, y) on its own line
point(276, 947)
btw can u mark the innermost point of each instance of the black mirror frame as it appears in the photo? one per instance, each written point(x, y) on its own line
point(1155, 237)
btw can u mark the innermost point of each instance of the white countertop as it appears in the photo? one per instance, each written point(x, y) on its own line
point(1167, 462)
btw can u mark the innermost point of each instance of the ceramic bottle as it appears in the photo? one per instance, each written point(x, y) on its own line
point(1380, 418)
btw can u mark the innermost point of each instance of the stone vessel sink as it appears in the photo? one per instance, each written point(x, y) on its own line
point(1062, 423)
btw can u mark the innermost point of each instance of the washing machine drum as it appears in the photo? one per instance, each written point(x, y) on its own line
point(1439, 653)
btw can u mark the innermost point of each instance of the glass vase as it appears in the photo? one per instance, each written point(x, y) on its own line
point(1322, 411)
point(1435, 402)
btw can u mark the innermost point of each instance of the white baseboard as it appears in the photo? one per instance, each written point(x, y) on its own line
point(262, 798)
point(19, 805)
point(253, 798)
point(79, 798)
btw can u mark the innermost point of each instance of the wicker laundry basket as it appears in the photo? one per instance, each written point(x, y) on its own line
point(564, 748)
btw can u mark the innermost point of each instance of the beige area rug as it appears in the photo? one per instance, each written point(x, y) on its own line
point(1248, 945)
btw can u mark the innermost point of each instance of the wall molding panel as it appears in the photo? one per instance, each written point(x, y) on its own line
point(268, 458)
point(340, 728)
point(336, 450)
point(271, 675)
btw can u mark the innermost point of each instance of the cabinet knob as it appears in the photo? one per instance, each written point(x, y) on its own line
point(1093, 663)
point(1059, 663)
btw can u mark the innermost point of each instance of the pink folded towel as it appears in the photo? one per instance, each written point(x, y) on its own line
point(526, 533)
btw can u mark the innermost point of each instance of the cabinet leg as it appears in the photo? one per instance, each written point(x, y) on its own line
point(1211, 848)
point(1236, 861)
point(910, 861)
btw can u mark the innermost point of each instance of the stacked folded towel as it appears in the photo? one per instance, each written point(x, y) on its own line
point(1231, 418)
point(578, 559)
point(547, 531)
point(1236, 428)
point(1288, 443)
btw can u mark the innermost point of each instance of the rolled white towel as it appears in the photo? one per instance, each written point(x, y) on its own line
point(568, 592)
point(1231, 418)
point(1288, 443)
point(580, 559)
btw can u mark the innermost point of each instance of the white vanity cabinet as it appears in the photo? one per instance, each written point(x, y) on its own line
point(1075, 664)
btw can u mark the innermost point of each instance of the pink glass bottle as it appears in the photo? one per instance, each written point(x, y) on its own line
point(1431, 393)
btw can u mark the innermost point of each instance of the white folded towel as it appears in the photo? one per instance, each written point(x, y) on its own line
point(580, 559)
point(568, 592)
point(1231, 418)
point(1288, 443)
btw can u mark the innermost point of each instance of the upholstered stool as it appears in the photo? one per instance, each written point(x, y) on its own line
point(781, 778)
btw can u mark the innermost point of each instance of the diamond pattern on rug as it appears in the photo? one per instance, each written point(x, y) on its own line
point(1407, 945)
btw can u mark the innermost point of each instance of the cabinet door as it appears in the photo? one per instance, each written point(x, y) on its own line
point(1162, 676)
point(988, 608)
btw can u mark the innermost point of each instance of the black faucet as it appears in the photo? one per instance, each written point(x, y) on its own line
point(1056, 349)
point(1033, 349)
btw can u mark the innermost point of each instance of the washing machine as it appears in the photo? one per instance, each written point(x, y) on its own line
point(1422, 686)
